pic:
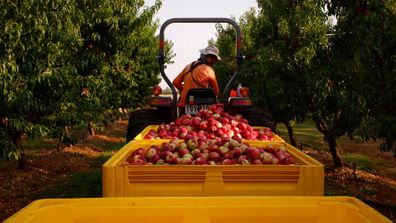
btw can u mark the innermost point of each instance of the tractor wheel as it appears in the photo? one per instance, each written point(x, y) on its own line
point(140, 119)
point(260, 117)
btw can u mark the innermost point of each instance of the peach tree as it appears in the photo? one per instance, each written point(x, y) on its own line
point(64, 62)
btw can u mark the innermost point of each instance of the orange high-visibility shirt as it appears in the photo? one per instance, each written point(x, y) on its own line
point(203, 74)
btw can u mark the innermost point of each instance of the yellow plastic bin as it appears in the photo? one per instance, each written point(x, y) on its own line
point(141, 135)
point(199, 210)
point(304, 179)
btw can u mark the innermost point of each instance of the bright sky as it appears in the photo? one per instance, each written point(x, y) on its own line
point(189, 38)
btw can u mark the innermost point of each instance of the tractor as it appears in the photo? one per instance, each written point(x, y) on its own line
point(164, 109)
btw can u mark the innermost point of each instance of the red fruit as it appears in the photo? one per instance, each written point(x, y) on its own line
point(264, 137)
point(281, 156)
point(226, 140)
point(191, 144)
point(211, 136)
point(266, 158)
point(275, 160)
point(200, 161)
point(183, 152)
point(270, 149)
point(238, 117)
point(196, 153)
point(138, 162)
point(254, 153)
point(178, 121)
point(257, 162)
point(137, 157)
point(171, 158)
point(224, 120)
point(164, 154)
point(236, 152)
point(226, 162)
point(151, 152)
point(139, 151)
point(214, 156)
point(242, 126)
point(160, 162)
point(233, 123)
point(183, 130)
point(148, 136)
point(154, 159)
point(254, 134)
point(217, 116)
point(241, 158)
point(182, 135)
point(186, 122)
point(236, 130)
point(212, 163)
point(212, 128)
point(227, 156)
point(219, 132)
point(203, 125)
point(185, 161)
point(196, 121)
point(213, 148)
point(224, 150)
point(219, 125)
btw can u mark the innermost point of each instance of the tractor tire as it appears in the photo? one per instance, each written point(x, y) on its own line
point(260, 117)
point(140, 119)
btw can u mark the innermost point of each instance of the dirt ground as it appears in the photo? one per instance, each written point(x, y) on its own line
point(48, 166)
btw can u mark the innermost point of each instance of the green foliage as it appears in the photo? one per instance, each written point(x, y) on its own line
point(364, 54)
point(65, 62)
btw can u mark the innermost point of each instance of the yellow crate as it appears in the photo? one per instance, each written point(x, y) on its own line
point(141, 135)
point(199, 210)
point(304, 179)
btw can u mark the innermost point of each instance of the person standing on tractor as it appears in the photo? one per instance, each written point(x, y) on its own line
point(198, 74)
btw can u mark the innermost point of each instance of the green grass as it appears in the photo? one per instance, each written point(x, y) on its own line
point(305, 133)
point(362, 162)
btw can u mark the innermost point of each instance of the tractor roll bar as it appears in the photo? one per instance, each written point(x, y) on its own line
point(161, 56)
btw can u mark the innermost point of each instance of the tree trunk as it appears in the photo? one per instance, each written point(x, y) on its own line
point(91, 129)
point(66, 129)
point(321, 126)
point(17, 141)
point(291, 133)
point(333, 150)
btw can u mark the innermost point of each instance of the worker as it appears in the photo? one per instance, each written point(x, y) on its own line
point(199, 74)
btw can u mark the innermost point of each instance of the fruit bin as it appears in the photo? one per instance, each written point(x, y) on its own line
point(141, 135)
point(199, 209)
point(304, 179)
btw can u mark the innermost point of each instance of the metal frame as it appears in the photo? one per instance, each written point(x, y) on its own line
point(161, 56)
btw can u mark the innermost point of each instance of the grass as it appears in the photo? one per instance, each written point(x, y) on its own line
point(362, 162)
point(306, 134)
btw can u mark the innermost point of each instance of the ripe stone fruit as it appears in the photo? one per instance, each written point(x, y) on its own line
point(156, 90)
point(151, 152)
point(254, 153)
point(171, 158)
point(214, 156)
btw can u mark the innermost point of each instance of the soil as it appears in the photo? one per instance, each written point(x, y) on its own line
point(47, 166)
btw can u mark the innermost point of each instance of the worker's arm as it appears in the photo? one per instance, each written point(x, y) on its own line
point(213, 83)
point(178, 81)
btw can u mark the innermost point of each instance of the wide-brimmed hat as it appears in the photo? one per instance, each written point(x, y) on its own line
point(211, 50)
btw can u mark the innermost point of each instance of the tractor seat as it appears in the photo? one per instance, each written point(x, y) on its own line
point(201, 96)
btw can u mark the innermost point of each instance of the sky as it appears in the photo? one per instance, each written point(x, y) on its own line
point(189, 38)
